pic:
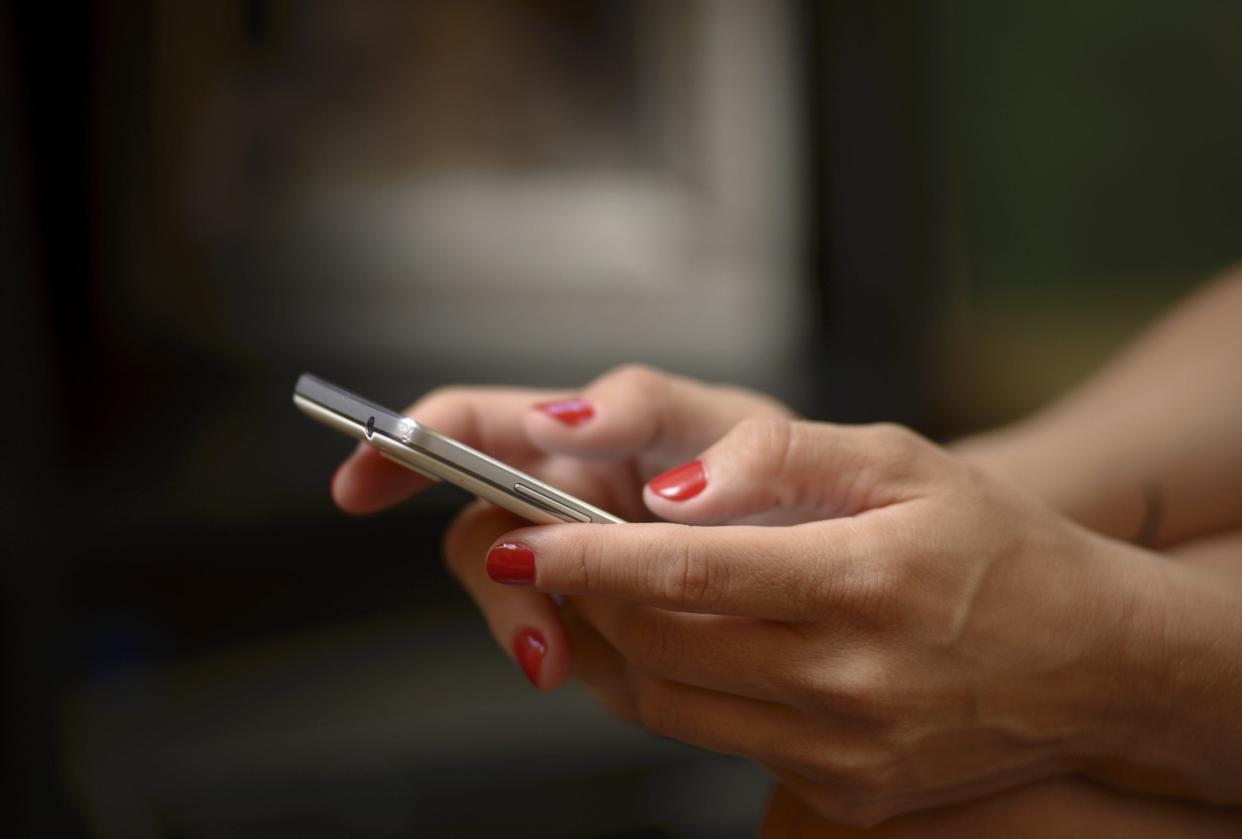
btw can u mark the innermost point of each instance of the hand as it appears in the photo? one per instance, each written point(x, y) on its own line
point(934, 637)
point(601, 445)
point(1048, 809)
point(1057, 808)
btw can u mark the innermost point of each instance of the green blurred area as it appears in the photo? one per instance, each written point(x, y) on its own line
point(1092, 177)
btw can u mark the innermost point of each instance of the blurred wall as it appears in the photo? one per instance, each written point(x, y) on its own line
point(1091, 179)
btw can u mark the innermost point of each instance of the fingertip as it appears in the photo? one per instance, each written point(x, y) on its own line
point(530, 648)
point(564, 426)
point(530, 536)
point(570, 412)
point(538, 643)
point(718, 506)
point(685, 506)
point(547, 668)
point(343, 486)
point(586, 427)
point(681, 483)
point(366, 483)
point(544, 551)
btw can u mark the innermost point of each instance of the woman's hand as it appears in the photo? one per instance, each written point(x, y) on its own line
point(1057, 808)
point(600, 444)
point(935, 637)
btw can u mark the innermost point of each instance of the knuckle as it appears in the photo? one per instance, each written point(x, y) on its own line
point(867, 581)
point(571, 564)
point(582, 561)
point(764, 447)
point(863, 688)
point(685, 577)
point(766, 432)
point(636, 378)
point(877, 590)
point(896, 446)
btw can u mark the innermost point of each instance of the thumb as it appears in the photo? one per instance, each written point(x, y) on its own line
point(779, 471)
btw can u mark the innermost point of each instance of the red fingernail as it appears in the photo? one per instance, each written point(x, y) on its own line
point(570, 411)
point(680, 482)
point(529, 648)
point(511, 563)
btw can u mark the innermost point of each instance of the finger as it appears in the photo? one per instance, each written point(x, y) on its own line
point(721, 722)
point(597, 664)
point(637, 410)
point(773, 470)
point(789, 574)
point(524, 622)
point(847, 791)
point(366, 483)
point(488, 419)
point(741, 656)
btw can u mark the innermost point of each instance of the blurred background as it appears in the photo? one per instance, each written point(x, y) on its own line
point(941, 213)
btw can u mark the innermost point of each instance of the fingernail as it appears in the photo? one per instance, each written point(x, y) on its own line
point(529, 648)
point(511, 563)
point(569, 411)
point(680, 482)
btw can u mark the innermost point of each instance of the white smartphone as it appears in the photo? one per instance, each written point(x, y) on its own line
point(439, 457)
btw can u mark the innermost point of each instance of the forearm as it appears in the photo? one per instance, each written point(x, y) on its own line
point(1150, 447)
point(1175, 703)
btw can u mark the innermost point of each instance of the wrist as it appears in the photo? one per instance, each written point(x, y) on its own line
point(1033, 456)
point(1166, 720)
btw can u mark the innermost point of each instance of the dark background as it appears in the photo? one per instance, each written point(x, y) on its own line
point(990, 198)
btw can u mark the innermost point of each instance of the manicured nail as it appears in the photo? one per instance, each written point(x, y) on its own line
point(680, 482)
point(529, 648)
point(569, 411)
point(512, 563)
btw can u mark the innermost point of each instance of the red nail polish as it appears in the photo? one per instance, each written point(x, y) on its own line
point(569, 411)
point(529, 648)
point(680, 482)
point(512, 563)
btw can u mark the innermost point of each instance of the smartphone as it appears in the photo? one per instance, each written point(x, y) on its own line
point(437, 456)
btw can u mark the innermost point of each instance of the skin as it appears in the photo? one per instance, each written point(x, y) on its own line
point(644, 423)
point(1162, 419)
point(898, 661)
point(1049, 809)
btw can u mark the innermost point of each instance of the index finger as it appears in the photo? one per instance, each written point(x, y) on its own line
point(487, 419)
point(635, 410)
point(777, 573)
